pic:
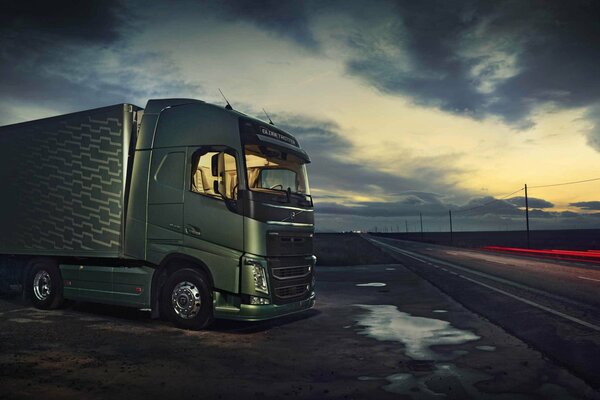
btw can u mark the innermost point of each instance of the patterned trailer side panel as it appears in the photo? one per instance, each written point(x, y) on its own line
point(61, 180)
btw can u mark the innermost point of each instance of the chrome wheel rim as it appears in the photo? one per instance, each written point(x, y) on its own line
point(185, 300)
point(42, 285)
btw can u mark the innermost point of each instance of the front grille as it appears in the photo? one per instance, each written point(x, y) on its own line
point(289, 244)
point(291, 272)
point(291, 278)
point(291, 291)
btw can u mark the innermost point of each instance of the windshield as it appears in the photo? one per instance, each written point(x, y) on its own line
point(270, 169)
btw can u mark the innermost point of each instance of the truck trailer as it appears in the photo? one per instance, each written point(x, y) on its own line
point(191, 210)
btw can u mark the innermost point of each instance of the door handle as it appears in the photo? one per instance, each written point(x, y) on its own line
point(176, 227)
point(192, 230)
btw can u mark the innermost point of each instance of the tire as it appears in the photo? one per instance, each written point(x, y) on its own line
point(45, 285)
point(187, 299)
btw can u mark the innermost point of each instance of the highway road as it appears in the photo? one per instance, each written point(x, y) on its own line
point(552, 305)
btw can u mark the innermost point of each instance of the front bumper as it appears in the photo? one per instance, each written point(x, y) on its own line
point(248, 312)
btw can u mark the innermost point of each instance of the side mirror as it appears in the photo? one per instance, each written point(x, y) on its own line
point(221, 180)
point(218, 170)
point(214, 164)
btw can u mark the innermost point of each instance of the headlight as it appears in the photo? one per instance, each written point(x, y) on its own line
point(254, 300)
point(260, 276)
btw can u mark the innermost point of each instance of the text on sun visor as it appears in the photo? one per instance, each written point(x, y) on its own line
point(278, 136)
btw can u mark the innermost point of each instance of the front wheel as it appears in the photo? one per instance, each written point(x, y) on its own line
point(187, 299)
point(45, 286)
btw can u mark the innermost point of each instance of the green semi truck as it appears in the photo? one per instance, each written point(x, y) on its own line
point(188, 209)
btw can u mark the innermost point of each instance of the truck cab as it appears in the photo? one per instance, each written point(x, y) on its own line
point(226, 196)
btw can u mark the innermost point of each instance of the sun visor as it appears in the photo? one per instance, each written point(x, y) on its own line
point(254, 132)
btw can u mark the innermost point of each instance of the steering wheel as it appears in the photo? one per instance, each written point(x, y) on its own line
point(275, 186)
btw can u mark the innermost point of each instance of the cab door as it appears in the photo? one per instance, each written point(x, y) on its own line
point(165, 201)
point(213, 224)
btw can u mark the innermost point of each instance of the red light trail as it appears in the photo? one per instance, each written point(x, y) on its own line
point(592, 256)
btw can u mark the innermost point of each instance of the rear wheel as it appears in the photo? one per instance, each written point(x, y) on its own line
point(45, 285)
point(187, 299)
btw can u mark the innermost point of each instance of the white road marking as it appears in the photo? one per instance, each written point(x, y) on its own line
point(519, 298)
point(371, 284)
point(425, 258)
point(589, 279)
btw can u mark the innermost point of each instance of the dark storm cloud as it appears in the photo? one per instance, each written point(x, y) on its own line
point(380, 209)
point(487, 205)
point(432, 205)
point(593, 134)
point(475, 58)
point(482, 213)
point(587, 205)
point(68, 56)
point(96, 21)
point(286, 18)
point(415, 55)
point(489, 58)
point(532, 201)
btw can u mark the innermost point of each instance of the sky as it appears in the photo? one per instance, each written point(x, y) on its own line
point(405, 107)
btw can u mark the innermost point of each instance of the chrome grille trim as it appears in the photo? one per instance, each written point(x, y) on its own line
point(291, 272)
point(287, 292)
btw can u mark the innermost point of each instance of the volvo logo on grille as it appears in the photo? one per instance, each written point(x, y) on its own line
point(293, 215)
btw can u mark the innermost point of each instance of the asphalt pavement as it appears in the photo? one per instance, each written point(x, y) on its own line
point(552, 305)
point(377, 331)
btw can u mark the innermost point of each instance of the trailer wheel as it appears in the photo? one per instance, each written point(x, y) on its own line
point(187, 299)
point(45, 286)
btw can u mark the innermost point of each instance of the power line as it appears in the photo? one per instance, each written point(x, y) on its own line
point(564, 183)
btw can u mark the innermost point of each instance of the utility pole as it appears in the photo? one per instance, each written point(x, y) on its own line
point(421, 218)
point(527, 215)
point(450, 215)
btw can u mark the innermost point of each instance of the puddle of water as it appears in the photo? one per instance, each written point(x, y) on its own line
point(440, 311)
point(427, 377)
point(418, 334)
point(447, 381)
point(368, 378)
point(390, 269)
point(486, 348)
point(371, 284)
point(28, 320)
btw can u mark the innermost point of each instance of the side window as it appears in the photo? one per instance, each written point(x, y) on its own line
point(214, 174)
point(202, 178)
